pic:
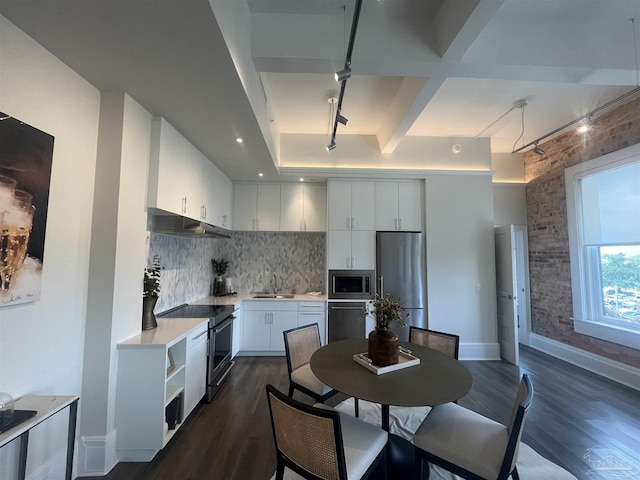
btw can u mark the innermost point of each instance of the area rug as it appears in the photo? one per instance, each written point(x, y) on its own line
point(405, 421)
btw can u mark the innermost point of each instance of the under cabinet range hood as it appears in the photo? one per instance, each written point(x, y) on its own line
point(186, 227)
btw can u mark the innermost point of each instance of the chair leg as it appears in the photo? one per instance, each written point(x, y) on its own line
point(421, 473)
point(280, 471)
point(291, 390)
point(357, 407)
point(514, 474)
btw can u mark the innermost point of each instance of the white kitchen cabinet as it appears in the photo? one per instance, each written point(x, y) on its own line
point(177, 176)
point(196, 368)
point(313, 312)
point(217, 196)
point(350, 205)
point(303, 208)
point(351, 250)
point(398, 206)
point(154, 371)
point(264, 322)
point(236, 341)
point(256, 207)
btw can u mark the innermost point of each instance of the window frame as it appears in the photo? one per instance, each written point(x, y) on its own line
point(585, 261)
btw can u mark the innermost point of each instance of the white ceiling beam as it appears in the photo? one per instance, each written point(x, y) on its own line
point(459, 23)
point(413, 96)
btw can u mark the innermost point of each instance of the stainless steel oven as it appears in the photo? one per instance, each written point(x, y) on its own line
point(351, 284)
point(220, 336)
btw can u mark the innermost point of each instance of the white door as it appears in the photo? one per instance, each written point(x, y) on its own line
point(506, 287)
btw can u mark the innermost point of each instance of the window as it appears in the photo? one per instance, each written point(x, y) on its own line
point(603, 211)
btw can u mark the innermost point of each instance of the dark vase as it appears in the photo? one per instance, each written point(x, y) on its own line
point(383, 347)
point(148, 317)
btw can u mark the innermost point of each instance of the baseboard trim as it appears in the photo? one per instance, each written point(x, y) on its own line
point(96, 455)
point(611, 369)
point(479, 351)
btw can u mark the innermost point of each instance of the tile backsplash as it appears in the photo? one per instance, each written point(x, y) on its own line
point(297, 259)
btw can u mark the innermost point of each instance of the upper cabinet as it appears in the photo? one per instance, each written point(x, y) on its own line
point(303, 208)
point(279, 207)
point(351, 205)
point(256, 207)
point(398, 206)
point(183, 181)
point(217, 196)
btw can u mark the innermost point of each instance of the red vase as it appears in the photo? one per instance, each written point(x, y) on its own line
point(383, 347)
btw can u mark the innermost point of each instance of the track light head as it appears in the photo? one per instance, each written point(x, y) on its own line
point(538, 150)
point(331, 146)
point(343, 74)
point(341, 119)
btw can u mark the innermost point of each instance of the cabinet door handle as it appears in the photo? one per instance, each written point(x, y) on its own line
point(353, 262)
point(224, 220)
point(205, 212)
point(353, 223)
point(400, 223)
point(348, 222)
point(185, 205)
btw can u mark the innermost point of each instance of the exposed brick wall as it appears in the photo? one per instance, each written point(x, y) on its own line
point(551, 298)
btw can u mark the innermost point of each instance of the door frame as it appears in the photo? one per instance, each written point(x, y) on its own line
point(522, 278)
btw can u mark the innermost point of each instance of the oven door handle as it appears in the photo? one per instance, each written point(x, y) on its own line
point(224, 324)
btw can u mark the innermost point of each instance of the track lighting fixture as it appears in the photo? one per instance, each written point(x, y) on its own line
point(341, 119)
point(343, 74)
point(331, 146)
point(537, 149)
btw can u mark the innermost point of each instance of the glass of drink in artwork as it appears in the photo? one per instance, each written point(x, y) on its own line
point(16, 222)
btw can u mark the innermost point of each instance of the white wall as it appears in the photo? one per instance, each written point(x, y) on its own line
point(41, 343)
point(460, 258)
point(509, 204)
point(118, 257)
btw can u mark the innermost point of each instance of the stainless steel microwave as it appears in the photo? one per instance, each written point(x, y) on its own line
point(351, 284)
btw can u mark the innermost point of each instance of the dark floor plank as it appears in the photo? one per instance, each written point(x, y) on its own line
point(573, 410)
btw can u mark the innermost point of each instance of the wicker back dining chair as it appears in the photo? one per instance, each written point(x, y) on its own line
point(470, 445)
point(299, 345)
point(318, 442)
point(446, 343)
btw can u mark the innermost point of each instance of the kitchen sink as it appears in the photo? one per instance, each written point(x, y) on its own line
point(273, 295)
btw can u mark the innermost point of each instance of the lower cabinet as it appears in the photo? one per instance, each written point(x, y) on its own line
point(236, 341)
point(313, 312)
point(264, 322)
point(196, 369)
point(160, 379)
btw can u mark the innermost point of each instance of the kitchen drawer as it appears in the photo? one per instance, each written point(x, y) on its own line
point(197, 335)
point(271, 305)
point(311, 307)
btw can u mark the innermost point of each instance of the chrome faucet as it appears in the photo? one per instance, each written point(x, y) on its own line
point(274, 283)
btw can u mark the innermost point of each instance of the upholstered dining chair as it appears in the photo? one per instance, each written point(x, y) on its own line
point(446, 343)
point(299, 345)
point(470, 445)
point(320, 442)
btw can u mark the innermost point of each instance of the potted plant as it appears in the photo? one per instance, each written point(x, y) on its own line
point(151, 290)
point(220, 266)
point(383, 342)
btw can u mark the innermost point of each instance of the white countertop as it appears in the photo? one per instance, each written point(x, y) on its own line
point(234, 299)
point(168, 331)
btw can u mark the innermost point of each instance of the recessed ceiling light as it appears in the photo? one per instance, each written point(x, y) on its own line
point(239, 140)
point(261, 174)
point(583, 128)
point(456, 148)
point(302, 179)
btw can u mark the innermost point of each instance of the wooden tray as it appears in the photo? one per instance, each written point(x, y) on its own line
point(405, 359)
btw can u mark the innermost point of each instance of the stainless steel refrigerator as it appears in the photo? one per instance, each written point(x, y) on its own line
point(401, 273)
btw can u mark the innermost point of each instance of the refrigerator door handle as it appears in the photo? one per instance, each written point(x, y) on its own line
point(381, 279)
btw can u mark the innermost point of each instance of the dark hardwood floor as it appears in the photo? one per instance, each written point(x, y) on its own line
point(573, 410)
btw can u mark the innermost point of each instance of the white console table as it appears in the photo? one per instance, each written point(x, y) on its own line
point(46, 406)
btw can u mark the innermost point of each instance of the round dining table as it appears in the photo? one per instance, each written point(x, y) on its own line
point(437, 379)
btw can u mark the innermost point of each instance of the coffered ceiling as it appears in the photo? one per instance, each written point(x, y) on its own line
point(425, 72)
